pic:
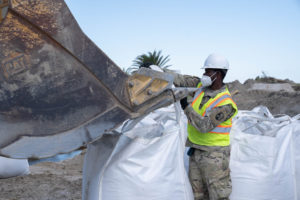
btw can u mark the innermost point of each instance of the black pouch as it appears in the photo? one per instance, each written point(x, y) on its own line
point(191, 151)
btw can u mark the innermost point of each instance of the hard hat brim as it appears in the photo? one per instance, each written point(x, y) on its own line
point(209, 67)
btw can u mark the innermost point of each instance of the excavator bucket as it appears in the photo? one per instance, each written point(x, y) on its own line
point(58, 90)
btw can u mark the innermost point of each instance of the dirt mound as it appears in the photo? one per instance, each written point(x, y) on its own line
point(280, 96)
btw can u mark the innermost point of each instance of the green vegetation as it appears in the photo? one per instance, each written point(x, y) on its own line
point(152, 58)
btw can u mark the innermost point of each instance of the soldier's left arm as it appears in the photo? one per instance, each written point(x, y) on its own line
point(183, 80)
point(211, 120)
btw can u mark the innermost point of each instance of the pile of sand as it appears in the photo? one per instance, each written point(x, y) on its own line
point(62, 181)
point(280, 96)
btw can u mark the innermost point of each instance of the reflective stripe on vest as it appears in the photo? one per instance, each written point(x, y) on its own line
point(216, 102)
point(197, 95)
point(221, 130)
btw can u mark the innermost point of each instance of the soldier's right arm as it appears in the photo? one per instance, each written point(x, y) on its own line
point(183, 80)
point(213, 118)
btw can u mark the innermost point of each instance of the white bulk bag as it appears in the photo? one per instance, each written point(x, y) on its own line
point(296, 154)
point(263, 158)
point(146, 163)
point(13, 167)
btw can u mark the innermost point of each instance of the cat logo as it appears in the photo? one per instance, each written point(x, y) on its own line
point(14, 65)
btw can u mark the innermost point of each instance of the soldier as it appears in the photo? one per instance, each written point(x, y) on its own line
point(210, 119)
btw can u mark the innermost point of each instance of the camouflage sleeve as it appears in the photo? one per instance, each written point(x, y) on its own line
point(183, 80)
point(211, 120)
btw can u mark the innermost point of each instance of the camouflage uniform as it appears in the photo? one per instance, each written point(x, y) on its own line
point(209, 165)
point(209, 172)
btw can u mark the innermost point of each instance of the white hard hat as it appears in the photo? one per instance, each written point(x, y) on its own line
point(216, 61)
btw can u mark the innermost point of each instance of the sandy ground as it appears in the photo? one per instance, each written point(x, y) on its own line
point(47, 181)
point(62, 181)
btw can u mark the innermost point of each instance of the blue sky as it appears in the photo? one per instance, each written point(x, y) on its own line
point(255, 35)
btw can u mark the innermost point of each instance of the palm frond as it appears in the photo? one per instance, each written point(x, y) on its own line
point(130, 69)
point(152, 58)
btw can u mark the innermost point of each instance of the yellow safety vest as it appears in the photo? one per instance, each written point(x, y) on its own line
point(219, 136)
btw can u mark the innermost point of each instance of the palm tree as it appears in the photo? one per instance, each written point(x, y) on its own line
point(152, 58)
